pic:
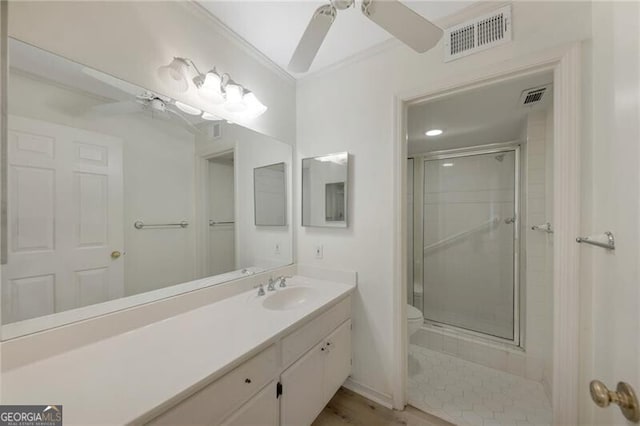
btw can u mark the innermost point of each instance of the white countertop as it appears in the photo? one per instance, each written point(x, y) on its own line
point(120, 379)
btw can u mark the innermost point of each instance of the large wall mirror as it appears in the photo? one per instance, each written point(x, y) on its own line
point(324, 190)
point(116, 192)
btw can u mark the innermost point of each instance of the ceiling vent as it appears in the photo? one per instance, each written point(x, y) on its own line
point(478, 34)
point(533, 96)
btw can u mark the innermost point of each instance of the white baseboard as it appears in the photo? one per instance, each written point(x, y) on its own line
point(369, 393)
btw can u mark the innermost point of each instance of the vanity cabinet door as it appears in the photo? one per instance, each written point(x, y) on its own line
point(262, 409)
point(302, 389)
point(337, 359)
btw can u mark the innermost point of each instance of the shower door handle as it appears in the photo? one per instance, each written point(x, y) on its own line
point(510, 220)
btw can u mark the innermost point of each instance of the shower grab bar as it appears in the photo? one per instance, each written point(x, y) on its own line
point(545, 227)
point(610, 244)
point(462, 234)
point(138, 224)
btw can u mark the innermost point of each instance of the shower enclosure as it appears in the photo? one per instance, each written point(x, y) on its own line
point(463, 219)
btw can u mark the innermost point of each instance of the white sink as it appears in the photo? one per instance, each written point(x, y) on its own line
point(288, 298)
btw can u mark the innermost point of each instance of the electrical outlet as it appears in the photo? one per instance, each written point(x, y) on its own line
point(318, 251)
point(276, 248)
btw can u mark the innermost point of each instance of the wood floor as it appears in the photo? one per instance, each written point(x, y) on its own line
point(349, 408)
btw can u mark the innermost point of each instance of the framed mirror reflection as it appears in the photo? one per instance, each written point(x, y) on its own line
point(325, 190)
point(115, 191)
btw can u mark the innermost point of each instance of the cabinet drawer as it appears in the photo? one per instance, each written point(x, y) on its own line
point(211, 404)
point(297, 343)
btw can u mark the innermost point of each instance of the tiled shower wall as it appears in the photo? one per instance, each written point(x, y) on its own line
point(534, 362)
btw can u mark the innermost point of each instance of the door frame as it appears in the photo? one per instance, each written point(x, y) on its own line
point(565, 62)
point(202, 203)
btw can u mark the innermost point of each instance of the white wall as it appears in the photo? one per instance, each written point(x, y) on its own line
point(351, 108)
point(158, 178)
point(131, 39)
point(539, 248)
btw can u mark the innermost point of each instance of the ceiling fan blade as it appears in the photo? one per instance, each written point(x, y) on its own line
point(116, 108)
point(112, 81)
point(403, 23)
point(312, 38)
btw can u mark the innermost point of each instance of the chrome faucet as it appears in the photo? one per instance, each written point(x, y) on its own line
point(260, 289)
point(272, 285)
point(283, 281)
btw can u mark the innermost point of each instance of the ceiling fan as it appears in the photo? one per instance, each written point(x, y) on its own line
point(400, 21)
point(160, 106)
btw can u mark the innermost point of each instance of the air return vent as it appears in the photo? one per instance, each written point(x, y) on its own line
point(478, 34)
point(533, 96)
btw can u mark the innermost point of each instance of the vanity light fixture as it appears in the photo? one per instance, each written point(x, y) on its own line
point(214, 88)
point(235, 95)
point(433, 132)
point(210, 87)
point(175, 74)
point(255, 108)
point(447, 165)
point(188, 109)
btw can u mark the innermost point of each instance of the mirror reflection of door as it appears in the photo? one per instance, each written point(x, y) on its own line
point(65, 219)
point(334, 202)
point(221, 214)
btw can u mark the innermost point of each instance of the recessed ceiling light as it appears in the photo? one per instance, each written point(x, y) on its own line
point(447, 165)
point(433, 132)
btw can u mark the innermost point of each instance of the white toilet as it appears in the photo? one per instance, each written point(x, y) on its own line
point(414, 318)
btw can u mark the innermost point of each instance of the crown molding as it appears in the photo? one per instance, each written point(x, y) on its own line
point(200, 11)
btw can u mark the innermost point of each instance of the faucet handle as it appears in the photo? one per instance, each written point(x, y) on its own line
point(283, 281)
point(271, 286)
point(260, 289)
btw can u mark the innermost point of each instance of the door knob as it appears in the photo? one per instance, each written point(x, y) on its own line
point(624, 396)
point(115, 254)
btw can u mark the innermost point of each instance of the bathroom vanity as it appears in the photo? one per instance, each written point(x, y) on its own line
point(275, 359)
point(288, 383)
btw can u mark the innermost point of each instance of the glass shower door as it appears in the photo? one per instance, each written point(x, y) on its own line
point(469, 275)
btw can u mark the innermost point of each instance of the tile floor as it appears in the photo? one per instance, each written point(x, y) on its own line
point(470, 394)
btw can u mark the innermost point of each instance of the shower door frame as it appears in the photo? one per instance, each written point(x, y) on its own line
point(418, 241)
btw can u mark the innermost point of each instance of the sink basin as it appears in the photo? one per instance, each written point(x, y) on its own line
point(288, 298)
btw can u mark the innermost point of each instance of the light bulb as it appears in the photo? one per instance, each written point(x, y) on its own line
point(175, 74)
point(210, 88)
point(234, 94)
point(188, 109)
point(255, 108)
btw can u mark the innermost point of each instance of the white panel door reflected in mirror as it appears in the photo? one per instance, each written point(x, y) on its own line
point(325, 190)
point(270, 195)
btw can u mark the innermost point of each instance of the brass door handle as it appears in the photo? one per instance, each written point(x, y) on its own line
point(115, 254)
point(624, 396)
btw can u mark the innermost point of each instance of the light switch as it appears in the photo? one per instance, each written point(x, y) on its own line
point(276, 248)
point(318, 251)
